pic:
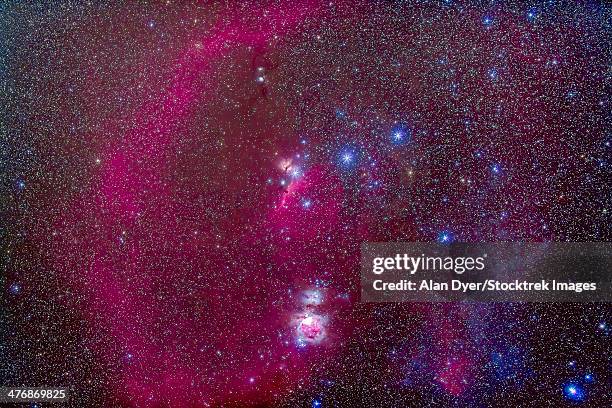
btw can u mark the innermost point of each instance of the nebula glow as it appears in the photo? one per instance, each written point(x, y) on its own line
point(185, 189)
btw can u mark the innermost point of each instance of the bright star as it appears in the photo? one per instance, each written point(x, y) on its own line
point(532, 13)
point(574, 392)
point(347, 158)
point(306, 203)
point(445, 237)
point(400, 134)
point(493, 74)
point(295, 172)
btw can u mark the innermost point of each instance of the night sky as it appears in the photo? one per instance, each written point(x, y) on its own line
point(184, 189)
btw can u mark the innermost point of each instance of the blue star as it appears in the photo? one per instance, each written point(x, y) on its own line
point(15, 289)
point(306, 203)
point(328, 383)
point(487, 21)
point(21, 185)
point(496, 168)
point(295, 172)
point(400, 134)
point(347, 158)
point(493, 74)
point(532, 14)
point(445, 237)
point(316, 403)
point(574, 392)
point(588, 377)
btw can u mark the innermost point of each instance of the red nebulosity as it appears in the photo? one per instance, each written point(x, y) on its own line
point(454, 377)
point(206, 287)
point(454, 366)
point(302, 221)
point(169, 340)
point(310, 327)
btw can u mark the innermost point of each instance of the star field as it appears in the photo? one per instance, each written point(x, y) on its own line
point(184, 190)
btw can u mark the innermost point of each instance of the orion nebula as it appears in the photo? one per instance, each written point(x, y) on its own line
point(186, 186)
